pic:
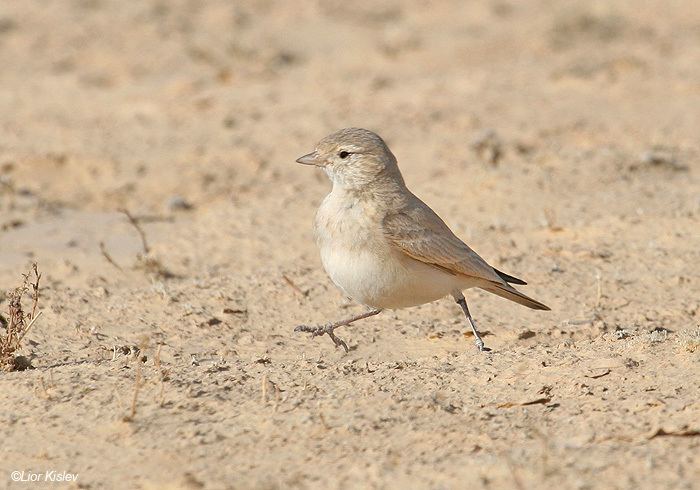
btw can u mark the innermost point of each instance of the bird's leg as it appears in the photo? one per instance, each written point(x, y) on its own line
point(459, 298)
point(330, 327)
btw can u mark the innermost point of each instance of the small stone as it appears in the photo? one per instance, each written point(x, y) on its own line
point(488, 146)
point(662, 157)
point(21, 363)
point(179, 203)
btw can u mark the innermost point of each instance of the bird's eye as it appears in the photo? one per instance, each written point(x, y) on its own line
point(344, 154)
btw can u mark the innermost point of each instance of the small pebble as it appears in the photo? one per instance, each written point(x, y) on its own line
point(488, 146)
point(179, 203)
point(661, 157)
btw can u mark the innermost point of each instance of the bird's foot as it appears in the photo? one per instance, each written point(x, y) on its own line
point(328, 328)
point(481, 346)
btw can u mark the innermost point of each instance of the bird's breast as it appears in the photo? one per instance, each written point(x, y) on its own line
point(360, 260)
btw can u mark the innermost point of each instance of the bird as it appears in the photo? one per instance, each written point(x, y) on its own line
point(383, 246)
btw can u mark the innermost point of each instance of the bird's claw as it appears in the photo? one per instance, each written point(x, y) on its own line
point(321, 330)
point(481, 346)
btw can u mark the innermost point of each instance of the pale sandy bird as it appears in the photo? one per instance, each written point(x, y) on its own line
point(384, 247)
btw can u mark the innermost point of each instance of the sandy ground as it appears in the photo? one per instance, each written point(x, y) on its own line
point(559, 139)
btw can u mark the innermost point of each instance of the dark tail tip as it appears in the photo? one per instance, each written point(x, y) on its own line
point(510, 279)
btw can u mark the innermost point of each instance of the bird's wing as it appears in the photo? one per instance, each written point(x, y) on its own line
point(421, 234)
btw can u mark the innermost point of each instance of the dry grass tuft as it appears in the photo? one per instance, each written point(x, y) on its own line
point(18, 322)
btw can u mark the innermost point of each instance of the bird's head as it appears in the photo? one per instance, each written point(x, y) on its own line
point(354, 158)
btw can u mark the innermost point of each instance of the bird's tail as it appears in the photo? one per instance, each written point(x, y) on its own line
point(509, 292)
point(510, 279)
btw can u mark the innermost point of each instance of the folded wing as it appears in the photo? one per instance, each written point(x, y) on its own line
point(422, 235)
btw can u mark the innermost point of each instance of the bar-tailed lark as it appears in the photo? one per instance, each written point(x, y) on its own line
point(384, 247)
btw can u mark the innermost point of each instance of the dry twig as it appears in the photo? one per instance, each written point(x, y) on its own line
point(292, 285)
point(134, 222)
point(135, 397)
point(108, 257)
point(19, 322)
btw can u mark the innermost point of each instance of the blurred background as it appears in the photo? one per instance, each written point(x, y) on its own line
point(147, 163)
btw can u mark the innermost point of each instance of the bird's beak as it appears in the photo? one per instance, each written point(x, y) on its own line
point(311, 159)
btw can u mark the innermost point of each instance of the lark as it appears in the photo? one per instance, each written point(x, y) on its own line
point(384, 247)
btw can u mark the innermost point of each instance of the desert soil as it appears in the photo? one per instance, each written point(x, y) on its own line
point(558, 139)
